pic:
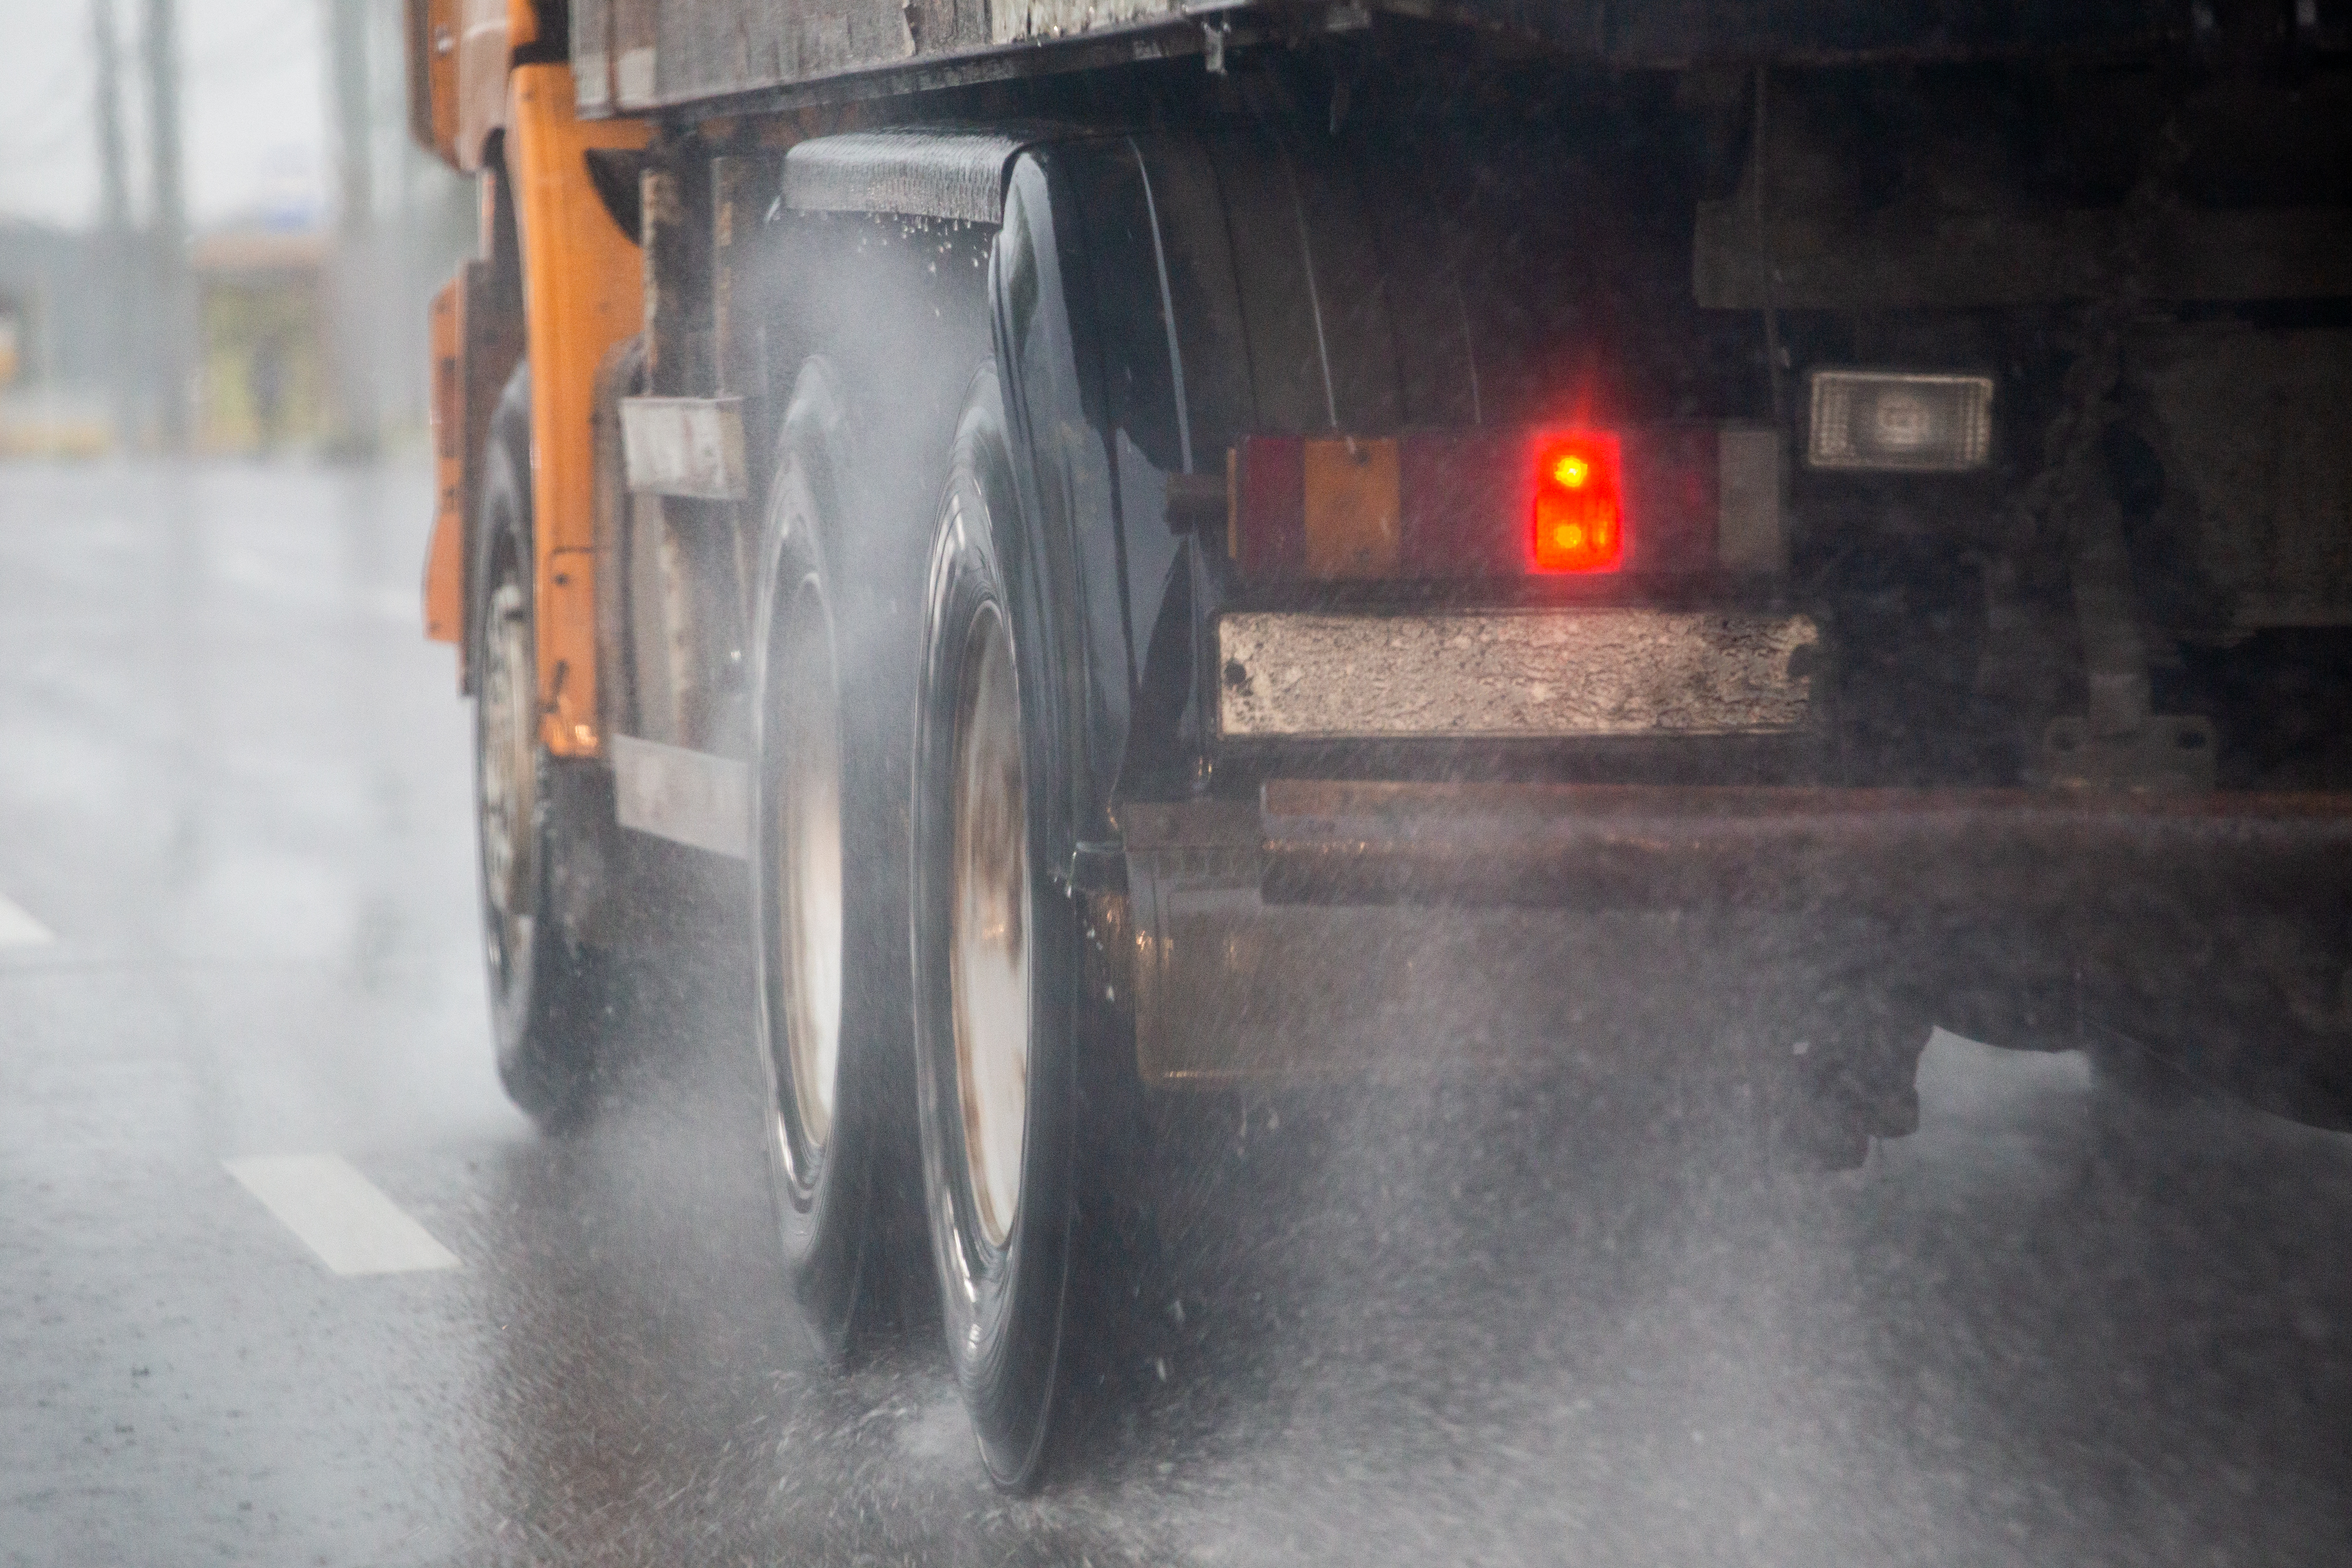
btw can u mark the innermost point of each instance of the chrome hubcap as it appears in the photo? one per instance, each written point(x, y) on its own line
point(990, 921)
point(808, 832)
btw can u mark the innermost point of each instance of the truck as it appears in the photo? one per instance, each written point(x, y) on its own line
point(1147, 546)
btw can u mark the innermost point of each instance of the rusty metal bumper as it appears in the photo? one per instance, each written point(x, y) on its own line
point(1616, 847)
point(1335, 928)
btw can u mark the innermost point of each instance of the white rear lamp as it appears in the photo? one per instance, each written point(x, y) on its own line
point(1899, 421)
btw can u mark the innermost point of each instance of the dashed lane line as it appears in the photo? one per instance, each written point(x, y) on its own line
point(339, 1215)
point(18, 929)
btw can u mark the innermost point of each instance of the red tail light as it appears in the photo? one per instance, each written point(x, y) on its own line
point(1579, 509)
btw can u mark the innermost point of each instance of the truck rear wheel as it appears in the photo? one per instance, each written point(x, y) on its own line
point(551, 997)
point(998, 964)
point(828, 884)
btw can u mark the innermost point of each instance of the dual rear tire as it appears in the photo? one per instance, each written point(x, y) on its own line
point(917, 972)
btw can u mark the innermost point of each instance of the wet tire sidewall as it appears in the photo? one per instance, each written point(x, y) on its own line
point(825, 1200)
point(545, 1004)
point(1002, 1306)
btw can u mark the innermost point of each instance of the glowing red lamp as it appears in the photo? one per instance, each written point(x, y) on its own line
point(1580, 508)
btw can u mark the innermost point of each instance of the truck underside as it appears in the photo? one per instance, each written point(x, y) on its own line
point(1176, 550)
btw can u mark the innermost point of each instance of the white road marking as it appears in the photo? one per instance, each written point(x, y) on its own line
point(339, 1215)
point(18, 929)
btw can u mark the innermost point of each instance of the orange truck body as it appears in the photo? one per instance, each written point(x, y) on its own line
point(582, 293)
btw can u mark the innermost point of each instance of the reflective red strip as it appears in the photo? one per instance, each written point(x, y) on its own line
point(1270, 506)
point(1672, 496)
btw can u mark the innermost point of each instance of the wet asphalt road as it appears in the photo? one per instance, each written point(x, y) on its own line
point(1454, 1324)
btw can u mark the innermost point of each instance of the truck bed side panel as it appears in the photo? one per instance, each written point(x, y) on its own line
point(667, 53)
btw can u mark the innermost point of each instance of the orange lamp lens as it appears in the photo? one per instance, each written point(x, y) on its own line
point(1580, 513)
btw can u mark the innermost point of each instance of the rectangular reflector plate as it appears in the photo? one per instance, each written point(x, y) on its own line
point(1527, 674)
point(1349, 497)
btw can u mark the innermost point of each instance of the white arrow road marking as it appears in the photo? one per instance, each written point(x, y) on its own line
point(18, 929)
point(339, 1215)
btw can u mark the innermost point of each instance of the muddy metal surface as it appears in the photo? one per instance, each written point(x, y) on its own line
point(1541, 1321)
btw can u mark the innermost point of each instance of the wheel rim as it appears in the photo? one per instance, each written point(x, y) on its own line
point(808, 833)
point(508, 779)
point(990, 924)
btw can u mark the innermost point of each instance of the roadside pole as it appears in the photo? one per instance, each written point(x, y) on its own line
point(114, 226)
point(174, 307)
point(358, 309)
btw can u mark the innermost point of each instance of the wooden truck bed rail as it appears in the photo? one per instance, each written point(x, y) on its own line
point(635, 56)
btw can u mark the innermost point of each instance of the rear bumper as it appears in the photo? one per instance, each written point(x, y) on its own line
point(1337, 929)
point(1599, 846)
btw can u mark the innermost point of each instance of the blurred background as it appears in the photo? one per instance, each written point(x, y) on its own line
point(215, 236)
